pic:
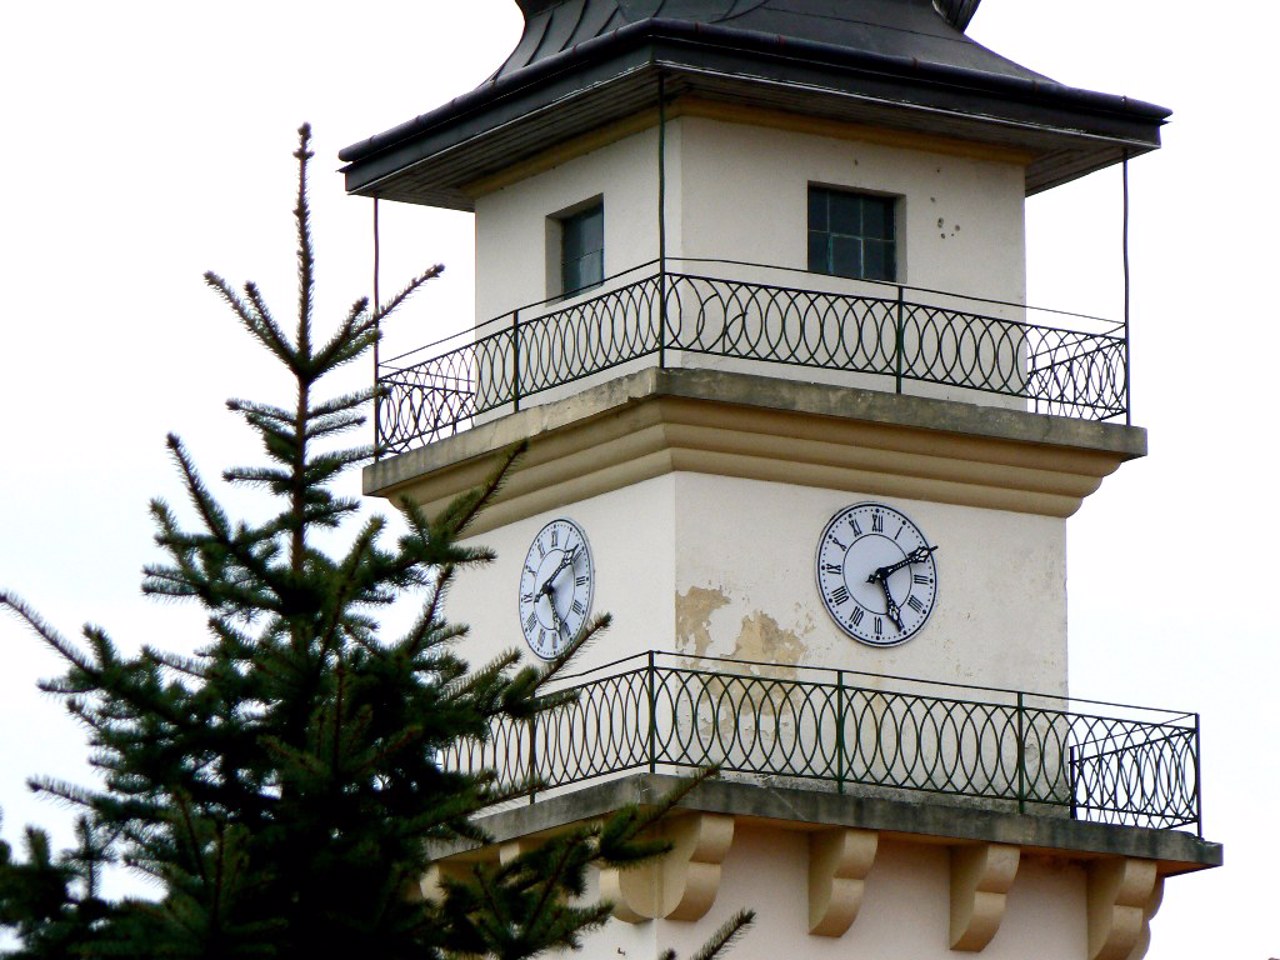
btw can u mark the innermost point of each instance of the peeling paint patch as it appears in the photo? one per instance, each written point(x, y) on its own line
point(693, 618)
point(763, 638)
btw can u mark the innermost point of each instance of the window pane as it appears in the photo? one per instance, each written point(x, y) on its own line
point(846, 257)
point(846, 213)
point(873, 260)
point(877, 218)
point(819, 254)
point(818, 209)
point(592, 268)
point(592, 227)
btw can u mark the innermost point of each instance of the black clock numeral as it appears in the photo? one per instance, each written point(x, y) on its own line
point(542, 550)
point(831, 567)
point(879, 626)
point(922, 578)
point(858, 614)
point(899, 533)
point(832, 538)
point(581, 581)
point(877, 523)
point(915, 604)
point(839, 595)
point(527, 598)
point(530, 571)
point(555, 536)
point(529, 621)
point(578, 608)
point(855, 527)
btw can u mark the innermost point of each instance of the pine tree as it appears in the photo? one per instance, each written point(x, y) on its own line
point(281, 785)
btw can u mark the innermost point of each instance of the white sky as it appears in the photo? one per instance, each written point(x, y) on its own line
point(143, 143)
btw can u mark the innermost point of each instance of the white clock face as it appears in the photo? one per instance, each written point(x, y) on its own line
point(557, 583)
point(876, 574)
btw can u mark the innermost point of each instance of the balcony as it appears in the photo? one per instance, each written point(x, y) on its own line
point(846, 732)
point(751, 318)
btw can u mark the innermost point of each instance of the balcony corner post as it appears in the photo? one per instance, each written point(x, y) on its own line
point(898, 341)
point(1022, 755)
point(662, 222)
point(377, 414)
point(1196, 774)
point(533, 758)
point(662, 313)
point(840, 765)
point(515, 360)
point(653, 714)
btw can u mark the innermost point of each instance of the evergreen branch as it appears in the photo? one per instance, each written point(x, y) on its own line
point(215, 520)
point(342, 403)
point(387, 308)
point(264, 412)
point(306, 251)
point(729, 932)
point(51, 637)
point(253, 315)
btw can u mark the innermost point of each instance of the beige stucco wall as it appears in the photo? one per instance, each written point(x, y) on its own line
point(743, 195)
point(632, 545)
point(511, 222)
point(746, 586)
point(724, 567)
point(739, 192)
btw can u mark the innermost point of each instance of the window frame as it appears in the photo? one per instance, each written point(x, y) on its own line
point(560, 264)
point(851, 243)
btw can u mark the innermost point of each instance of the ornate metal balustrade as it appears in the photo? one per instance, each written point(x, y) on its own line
point(846, 731)
point(896, 334)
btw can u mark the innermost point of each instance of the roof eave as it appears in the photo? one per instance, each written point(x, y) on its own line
point(1100, 126)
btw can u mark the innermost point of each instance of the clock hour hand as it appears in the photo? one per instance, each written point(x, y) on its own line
point(918, 555)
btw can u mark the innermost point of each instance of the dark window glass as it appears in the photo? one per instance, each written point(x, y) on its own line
point(582, 249)
point(851, 235)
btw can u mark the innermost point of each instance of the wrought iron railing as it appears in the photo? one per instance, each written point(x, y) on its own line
point(897, 334)
point(848, 731)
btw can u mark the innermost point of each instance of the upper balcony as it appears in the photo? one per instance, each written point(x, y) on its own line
point(765, 320)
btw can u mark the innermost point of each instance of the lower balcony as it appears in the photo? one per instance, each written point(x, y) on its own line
point(843, 732)
point(753, 318)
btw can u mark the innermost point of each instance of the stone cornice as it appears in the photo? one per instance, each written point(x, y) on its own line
point(657, 421)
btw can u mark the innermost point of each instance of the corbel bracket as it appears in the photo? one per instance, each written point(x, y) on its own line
point(981, 875)
point(680, 885)
point(839, 861)
point(1124, 895)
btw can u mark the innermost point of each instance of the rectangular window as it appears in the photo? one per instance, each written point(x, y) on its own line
point(852, 234)
point(582, 249)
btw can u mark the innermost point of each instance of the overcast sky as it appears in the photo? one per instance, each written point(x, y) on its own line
point(143, 143)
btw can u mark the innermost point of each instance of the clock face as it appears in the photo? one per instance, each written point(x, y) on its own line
point(876, 574)
point(556, 586)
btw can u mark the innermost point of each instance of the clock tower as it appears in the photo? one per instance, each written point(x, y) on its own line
point(751, 286)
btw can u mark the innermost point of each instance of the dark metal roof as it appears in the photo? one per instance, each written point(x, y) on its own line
point(582, 64)
point(914, 29)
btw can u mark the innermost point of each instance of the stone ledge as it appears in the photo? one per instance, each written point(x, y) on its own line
point(656, 421)
point(932, 820)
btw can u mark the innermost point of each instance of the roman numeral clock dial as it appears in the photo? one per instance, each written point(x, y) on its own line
point(876, 574)
point(557, 583)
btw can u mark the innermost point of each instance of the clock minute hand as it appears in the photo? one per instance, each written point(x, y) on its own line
point(918, 555)
point(547, 585)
